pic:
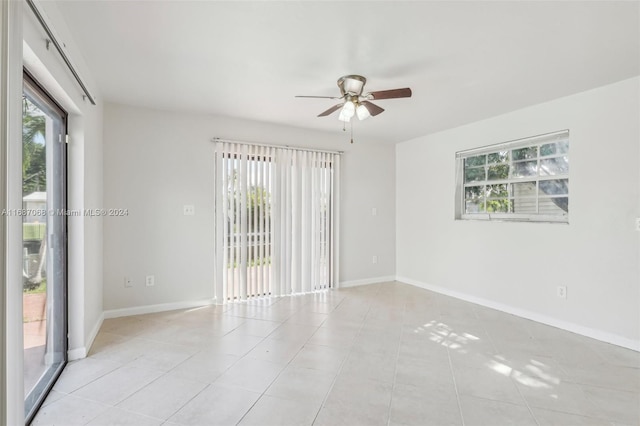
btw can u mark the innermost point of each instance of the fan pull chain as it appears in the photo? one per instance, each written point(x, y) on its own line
point(351, 131)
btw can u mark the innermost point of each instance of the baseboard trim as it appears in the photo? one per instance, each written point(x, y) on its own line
point(544, 319)
point(366, 281)
point(79, 353)
point(94, 332)
point(162, 307)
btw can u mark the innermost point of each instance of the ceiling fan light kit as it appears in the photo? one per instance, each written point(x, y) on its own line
point(348, 110)
point(355, 102)
point(362, 112)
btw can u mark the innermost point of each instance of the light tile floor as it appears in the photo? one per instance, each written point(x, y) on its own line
point(384, 354)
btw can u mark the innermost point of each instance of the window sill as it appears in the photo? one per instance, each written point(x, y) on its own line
point(515, 218)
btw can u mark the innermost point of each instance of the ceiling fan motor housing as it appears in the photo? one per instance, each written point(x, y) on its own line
point(352, 84)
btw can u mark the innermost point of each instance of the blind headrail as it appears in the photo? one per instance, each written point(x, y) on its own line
point(297, 148)
point(533, 140)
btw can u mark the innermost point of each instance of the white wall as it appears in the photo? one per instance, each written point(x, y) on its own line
point(517, 266)
point(84, 170)
point(156, 161)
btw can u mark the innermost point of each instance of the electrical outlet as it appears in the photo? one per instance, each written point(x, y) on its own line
point(189, 210)
point(638, 224)
point(150, 281)
point(375, 260)
point(128, 282)
point(374, 212)
point(561, 291)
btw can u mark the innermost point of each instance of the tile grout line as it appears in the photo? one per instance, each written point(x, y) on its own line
point(88, 383)
point(187, 402)
point(453, 376)
point(335, 379)
point(455, 385)
point(535, 419)
point(132, 412)
point(526, 403)
point(164, 373)
point(395, 369)
point(370, 301)
point(207, 385)
point(284, 368)
point(495, 350)
point(225, 370)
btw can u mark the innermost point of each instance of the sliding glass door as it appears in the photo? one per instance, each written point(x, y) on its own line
point(44, 245)
point(275, 213)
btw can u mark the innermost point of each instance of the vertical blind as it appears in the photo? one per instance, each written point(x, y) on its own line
point(276, 223)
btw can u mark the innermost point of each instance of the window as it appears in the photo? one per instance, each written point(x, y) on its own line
point(525, 180)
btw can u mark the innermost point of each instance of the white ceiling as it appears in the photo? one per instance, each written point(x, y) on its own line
point(465, 61)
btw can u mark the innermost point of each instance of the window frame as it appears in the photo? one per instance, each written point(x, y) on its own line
point(57, 251)
point(534, 141)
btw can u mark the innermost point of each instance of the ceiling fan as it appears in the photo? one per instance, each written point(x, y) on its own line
point(354, 102)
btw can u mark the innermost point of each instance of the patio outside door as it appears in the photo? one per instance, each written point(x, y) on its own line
point(44, 245)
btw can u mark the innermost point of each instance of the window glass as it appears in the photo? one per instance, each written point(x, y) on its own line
point(526, 179)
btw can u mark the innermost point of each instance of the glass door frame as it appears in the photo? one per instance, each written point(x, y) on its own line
point(33, 401)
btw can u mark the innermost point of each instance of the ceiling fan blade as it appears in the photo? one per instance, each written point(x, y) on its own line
point(390, 94)
point(330, 110)
point(372, 108)
point(319, 97)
